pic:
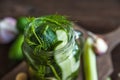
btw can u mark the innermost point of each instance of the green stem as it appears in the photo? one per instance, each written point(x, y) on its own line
point(54, 71)
point(52, 21)
point(89, 61)
point(42, 71)
point(36, 35)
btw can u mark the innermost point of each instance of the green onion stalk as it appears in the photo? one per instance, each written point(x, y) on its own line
point(89, 61)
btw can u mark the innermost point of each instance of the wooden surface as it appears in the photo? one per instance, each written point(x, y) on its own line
point(103, 70)
point(99, 16)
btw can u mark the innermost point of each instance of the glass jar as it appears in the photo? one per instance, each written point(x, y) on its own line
point(60, 64)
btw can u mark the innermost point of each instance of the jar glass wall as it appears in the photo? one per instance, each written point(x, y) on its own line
point(50, 63)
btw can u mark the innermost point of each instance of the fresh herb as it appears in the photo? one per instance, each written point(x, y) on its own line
point(42, 31)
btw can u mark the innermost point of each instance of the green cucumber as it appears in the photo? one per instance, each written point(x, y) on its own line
point(15, 52)
point(21, 24)
point(61, 36)
point(65, 60)
point(89, 61)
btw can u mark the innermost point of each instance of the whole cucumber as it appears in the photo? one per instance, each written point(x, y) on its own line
point(15, 51)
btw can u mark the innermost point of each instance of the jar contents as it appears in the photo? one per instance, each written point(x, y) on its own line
point(50, 48)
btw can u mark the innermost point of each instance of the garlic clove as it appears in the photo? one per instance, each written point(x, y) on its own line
point(100, 46)
point(21, 76)
point(8, 30)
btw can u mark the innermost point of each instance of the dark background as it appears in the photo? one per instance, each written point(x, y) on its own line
point(98, 16)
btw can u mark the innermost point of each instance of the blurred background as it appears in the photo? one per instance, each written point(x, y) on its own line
point(98, 16)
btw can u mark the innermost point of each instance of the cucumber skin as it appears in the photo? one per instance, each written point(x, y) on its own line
point(15, 52)
point(21, 24)
point(89, 61)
